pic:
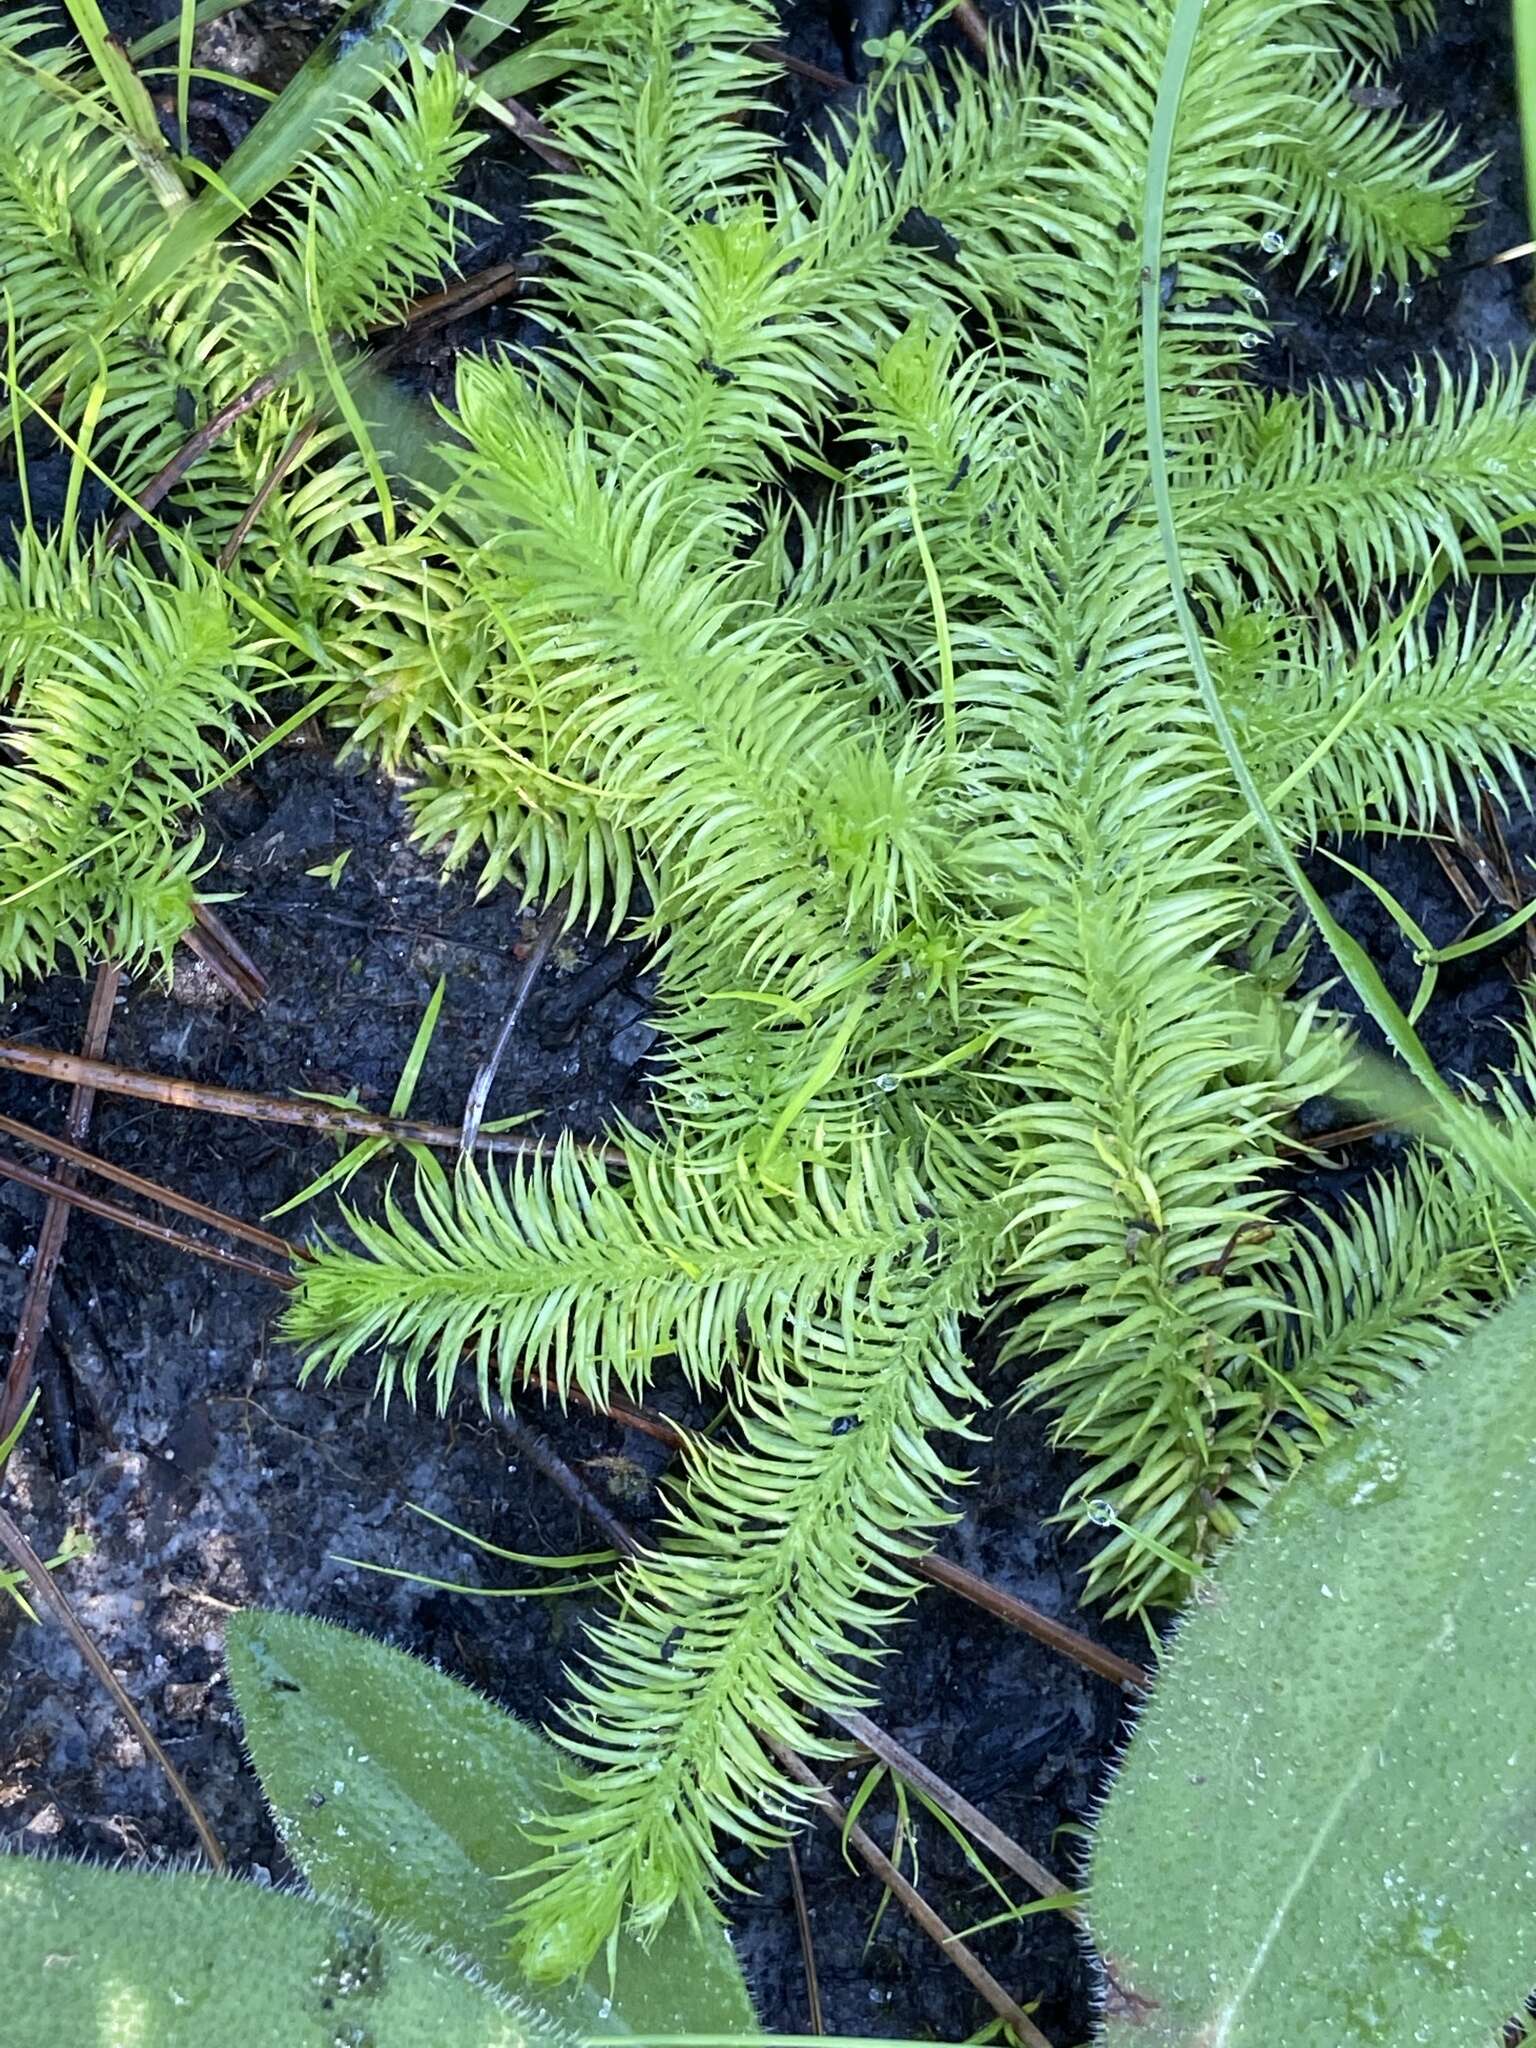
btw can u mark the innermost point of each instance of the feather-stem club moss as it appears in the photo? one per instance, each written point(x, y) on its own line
point(808, 589)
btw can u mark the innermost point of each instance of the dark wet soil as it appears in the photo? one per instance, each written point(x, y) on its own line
point(207, 1478)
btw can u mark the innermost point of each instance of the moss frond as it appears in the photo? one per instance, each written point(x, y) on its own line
point(366, 220)
point(122, 689)
point(790, 1548)
point(1400, 722)
point(1350, 489)
point(1372, 201)
point(563, 1271)
point(118, 689)
point(942, 860)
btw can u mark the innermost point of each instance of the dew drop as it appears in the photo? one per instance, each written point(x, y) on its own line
point(1365, 1479)
point(1102, 1514)
point(1272, 242)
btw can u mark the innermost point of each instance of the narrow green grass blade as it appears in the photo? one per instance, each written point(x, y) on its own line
point(225, 78)
point(1524, 25)
point(338, 1174)
point(124, 87)
point(1463, 949)
point(345, 1169)
point(476, 28)
point(416, 1058)
point(462, 1587)
point(578, 1560)
point(127, 93)
point(186, 29)
point(511, 76)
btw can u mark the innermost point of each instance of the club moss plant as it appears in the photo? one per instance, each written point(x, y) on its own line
point(805, 603)
point(128, 664)
point(813, 584)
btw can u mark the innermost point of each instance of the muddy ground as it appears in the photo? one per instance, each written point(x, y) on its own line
point(206, 1478)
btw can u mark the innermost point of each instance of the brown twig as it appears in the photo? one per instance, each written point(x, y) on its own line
point(661, 1428)
point(1056, 1635)
point(541, 1452)
point(456, 301)
point(50, 1241)
point(532, 133)
point(770, 53)
point(971, 22)
point(267, 1109)
point(938, 1571)
point(807, 1944)
point(153, 1190)
point(529, 130)
point(464, 293)
point(547, 931)
point(1457, 879)
point(910, 1899)
point(145, 1226)
point(50, 1596)
point(435, 309)
point(1482, 866)
point(1514, 897)
point(1511, 896)
point(1007, 1851)
point(1346, 1134)
point(211, 939)
point(1510, 255)
point(191, 451)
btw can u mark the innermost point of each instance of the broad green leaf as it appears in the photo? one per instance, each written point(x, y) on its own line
point(100, 1958)
point(1324, 1832)
point(401, 1787)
